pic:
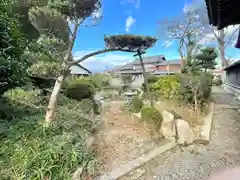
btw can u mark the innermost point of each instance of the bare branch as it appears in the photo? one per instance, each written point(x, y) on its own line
point(227, 42)
point(211, 28)
point(69, 29)
point(225, 31)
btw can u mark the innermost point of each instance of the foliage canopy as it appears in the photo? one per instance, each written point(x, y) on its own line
point(131, 43)
point(12, 64)
point(206, 58)
point(77, 9)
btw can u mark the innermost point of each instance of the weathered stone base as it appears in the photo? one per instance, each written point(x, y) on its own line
point(205, 130)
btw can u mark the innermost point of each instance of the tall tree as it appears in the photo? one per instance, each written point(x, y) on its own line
point(75, 11)
point(194, 22)
point(222, 38)
point(186, 30)
point(206, 58)
point(56, 15)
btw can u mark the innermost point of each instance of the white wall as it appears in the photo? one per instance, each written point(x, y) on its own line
point(148, 67)
point(137, 83)
point(78, 70)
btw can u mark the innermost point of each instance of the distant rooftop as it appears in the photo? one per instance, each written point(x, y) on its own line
point(149, 60)
point(170, 62)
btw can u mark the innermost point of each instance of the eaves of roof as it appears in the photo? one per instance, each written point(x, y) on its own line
point(233, 65)
point(80, 66)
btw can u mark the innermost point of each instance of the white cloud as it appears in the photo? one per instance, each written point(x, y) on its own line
point(129, 22)
point(102, 62)
point(167, 43)
point(186, 8)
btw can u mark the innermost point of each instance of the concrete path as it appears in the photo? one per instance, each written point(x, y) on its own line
point(199, 162)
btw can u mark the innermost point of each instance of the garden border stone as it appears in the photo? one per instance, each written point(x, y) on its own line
point(124, 169)
point(205, 130)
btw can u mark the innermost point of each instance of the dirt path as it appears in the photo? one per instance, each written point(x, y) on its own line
point(124, 137)
point(199, 162)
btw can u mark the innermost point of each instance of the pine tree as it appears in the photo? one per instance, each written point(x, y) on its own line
point(206, 58)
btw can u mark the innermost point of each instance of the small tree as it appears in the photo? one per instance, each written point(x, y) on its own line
point(206, 58)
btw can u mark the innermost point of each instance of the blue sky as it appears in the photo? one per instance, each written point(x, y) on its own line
point(134, 17)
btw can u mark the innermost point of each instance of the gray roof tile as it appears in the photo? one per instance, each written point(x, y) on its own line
point(235, 64)
point(150, 59)
point(170, 62)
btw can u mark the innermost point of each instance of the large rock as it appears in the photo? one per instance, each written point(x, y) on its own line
point(185, 132)
point(167, 127)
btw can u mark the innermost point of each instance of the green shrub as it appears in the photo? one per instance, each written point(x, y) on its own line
point(196, 88)
point(99, 81)
point(193, 88)
point(151, 81)
point(137, 104)
point(152, 117)
point(30, 151)
point(13, 44)
point(167, 87)
point(79, 89)
point(19, 95)
point(19, 102)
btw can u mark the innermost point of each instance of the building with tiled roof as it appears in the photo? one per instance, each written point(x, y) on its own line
point(157, 65)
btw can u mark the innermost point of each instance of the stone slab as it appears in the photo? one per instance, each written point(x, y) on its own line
point(205, 130)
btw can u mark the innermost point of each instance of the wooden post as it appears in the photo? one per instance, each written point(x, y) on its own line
point(145, 77)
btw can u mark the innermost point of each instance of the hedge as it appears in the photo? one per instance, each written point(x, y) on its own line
point(79, 89)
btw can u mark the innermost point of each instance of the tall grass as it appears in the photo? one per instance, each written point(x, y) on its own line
point(30, 151)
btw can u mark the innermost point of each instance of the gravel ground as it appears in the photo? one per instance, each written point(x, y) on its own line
point(124, 137)
point(199, 162)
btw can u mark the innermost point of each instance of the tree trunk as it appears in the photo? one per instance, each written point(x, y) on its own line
point(145, 77)
point(52, 105)
point(181, 55)
point(222, 49)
